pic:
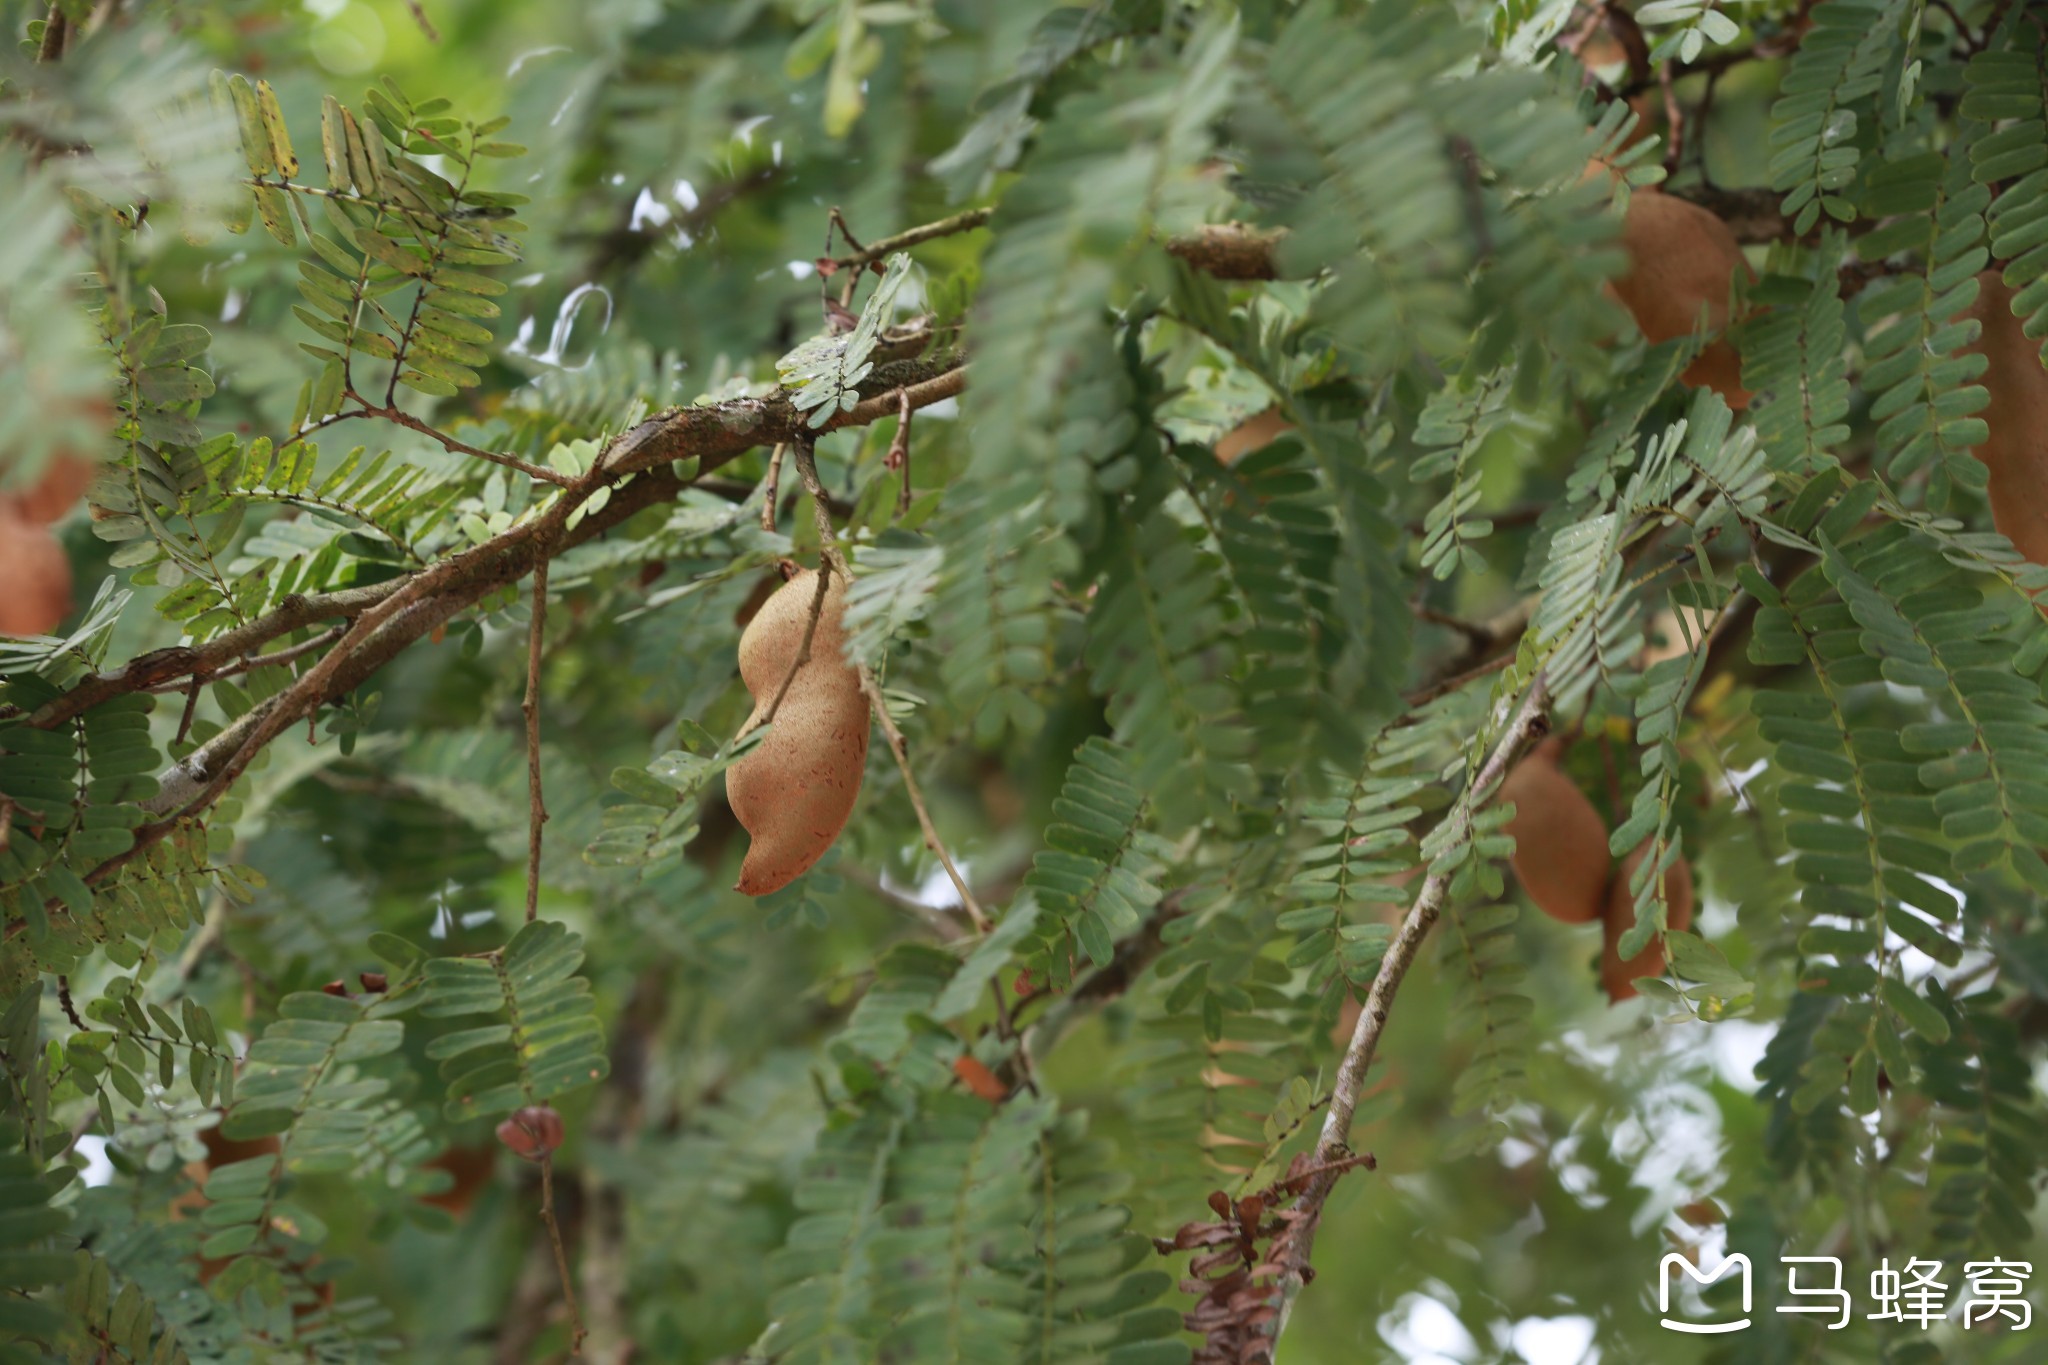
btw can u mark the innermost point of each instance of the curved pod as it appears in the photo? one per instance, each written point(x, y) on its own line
point(794, 792)
point(64, 481)
point(1253, 433)
point(2016, 450)
point(1682, 260)
point(1620, 977)
point(35, 577)
point(1561, 856)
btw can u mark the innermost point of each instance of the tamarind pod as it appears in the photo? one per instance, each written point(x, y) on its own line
point(2015, 452)
point(1561, 856)
point(794, 792)
point(1255, 431)
point(1617, 976)
point(1682, 260)
point(470, 1169)
point(35, 577)
point(64, 481)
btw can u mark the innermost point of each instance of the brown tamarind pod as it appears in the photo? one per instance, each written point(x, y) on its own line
point(2016, 450)
point(470, 1169)
point(1561, 856)
point(794, 792)
point(64, 481)
point(35, 576)
point(978, 1080)
point(1682, 260)
point(1620, 977)
point(1257, 430)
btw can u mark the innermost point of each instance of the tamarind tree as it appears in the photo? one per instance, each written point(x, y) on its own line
point(1216, 445)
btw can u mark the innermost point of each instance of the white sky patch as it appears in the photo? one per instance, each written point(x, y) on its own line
point(1553, 1341)
point(1672, 1145)
point(934, 892)
point(649, 211)
point(1735, 1047)
point(98, 1170)
point(1423, 1331)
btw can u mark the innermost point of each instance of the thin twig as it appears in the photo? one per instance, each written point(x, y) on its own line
point(192, 691)
point(1526, 725)
point(835, 221)
point(547, 1215)
point(254, 662)
point(899, 449)
point(70, 1010)
point(1229, 251)
point(537, 811)
point(938, 918)
point(1424, 695)
point(828, 543)
point(773, 483)
point(392, 413)
point(864, 256)
point(1674, 120)
point(419, 16)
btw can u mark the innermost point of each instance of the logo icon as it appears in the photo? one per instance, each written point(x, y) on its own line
point(1665, 1280)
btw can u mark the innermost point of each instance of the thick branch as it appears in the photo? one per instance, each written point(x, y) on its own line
point(1229, 251)
point(388, 617)
point(713, 435)
point(1527, 725)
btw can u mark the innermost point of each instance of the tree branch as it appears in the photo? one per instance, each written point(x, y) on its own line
point(385, 618)
point(863, 256)
point(1229, 251)
point(1528, 723)
point(537, 811)
point(56, 28)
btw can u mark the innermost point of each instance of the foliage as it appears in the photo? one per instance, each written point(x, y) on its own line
point(338, 1024)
